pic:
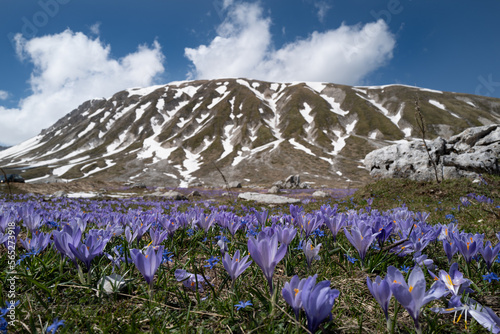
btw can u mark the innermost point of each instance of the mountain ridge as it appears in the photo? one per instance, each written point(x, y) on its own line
point(253, 131)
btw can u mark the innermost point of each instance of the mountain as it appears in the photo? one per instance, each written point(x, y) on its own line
point(251, 131)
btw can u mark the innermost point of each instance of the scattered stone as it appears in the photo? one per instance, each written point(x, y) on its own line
point(59, 193)
point(268, 198)
point(174, 195)
point(234, 184)
point(195, 184)
point(305, 185)
point(274, 190)
point(138, 186)
point(292, 182)
point(320, 194)
point(474, 151)
point(195, 193)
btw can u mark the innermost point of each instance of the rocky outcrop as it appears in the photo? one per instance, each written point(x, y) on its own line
point(472, 152)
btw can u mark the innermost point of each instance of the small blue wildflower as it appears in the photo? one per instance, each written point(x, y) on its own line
point(350, 259)
point(167, 256)
point(449, 216)
point(405, 269)
point(212, 262)
point(299, 247)
point(226, 240)
point(319, 233)
point(490, 277)
point(243, 304)
point(190, 232)
point(55, 325)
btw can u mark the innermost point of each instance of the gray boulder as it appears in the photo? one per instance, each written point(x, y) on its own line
point(267, 198)
point(274, 190)
point(320, 194)
point(472, 152)
point(234, 184)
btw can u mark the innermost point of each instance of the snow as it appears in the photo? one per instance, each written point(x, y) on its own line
point(335, 106)
point(255, 84)
point(221, 90)
point(143, 91)
point(306, 113)
point(140, 111)
point(218, 99)
point(340, 143)
point(362, 91)
point(22, 148)
point(373, 135)
point(407, 132)
point(37, 179)
point(275, 86)
point(316, 86)
point(202, 118)
point(87, 130)
point(301, 147)
point(62, 170)
point(226, 142)
point(472, 104)
point(189, 90)
point(437, 104)
point(430, 90)
point(394, 119)
point(190, 164)
point(338, 173)
point(442, 106)
point(171, 175)
point(160, 104)
point(98, 111)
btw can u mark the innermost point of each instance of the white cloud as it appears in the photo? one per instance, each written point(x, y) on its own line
point(70, 68)
point(243, 47)
point(3, 95)
point(95, 28)
point(323, 9)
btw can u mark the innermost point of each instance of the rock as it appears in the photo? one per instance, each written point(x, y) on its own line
point(234, 184)
point(174, 195)
point(320, 194)
point(138, 186)
point(292, 182)
point(474, 151)
point(274, 190)
point(194, 194)
point(305, 185)
point(267, 198)
point(59, 193)
point(195, 184)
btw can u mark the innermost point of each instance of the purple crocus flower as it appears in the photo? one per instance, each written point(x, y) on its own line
point(412, 296)
point(360, 240)
point(310, 252)
point(489, 253)
point(265, 252)
point(86, 251)
point(382, 293)
point(189, 279)
point(38, 242)
point(454, 281)
point(292, 293)
point(68, 236)
point(148, 262)
point(285, 234)
point(317, 301)
point(483, 315)
point(235, 266)
point(467, 246)
point(335, 223)
point(450, 248)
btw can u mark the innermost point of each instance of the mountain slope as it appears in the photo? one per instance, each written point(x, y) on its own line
point(253, 131)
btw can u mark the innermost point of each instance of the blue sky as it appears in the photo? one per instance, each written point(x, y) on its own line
point(56, 54)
